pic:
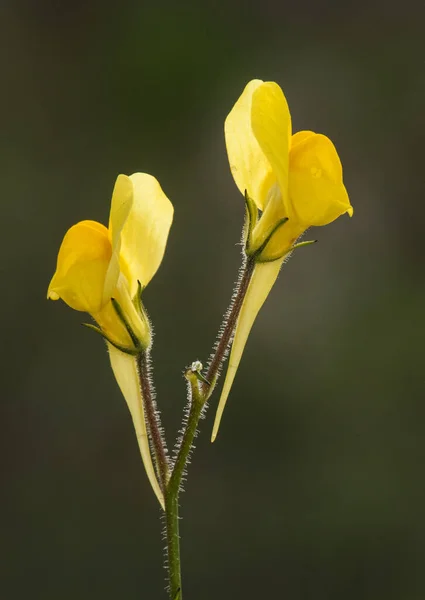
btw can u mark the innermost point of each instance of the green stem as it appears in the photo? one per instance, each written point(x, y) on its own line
point(173, 545)
point(172, 499)
point(200, 393)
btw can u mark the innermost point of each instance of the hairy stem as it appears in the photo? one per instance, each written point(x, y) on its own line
point(172, 499)
point(228, 327)
point(173, 546)
point(153, 420)
point(200, 392)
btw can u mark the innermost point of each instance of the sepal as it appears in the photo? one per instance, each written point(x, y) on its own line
point(302, 244)
point(251, 220)
point(140, 307)
point(120, 313)
point(131, 351)
point(138, 298)
point(286, 253)
point(256, 251)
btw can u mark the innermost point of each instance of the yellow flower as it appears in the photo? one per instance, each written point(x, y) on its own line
point(102, 271)
point(294, 180)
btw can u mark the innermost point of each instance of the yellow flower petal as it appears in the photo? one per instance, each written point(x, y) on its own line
point(249, 167)
point(145, 231)
point(299, 137)
point(271, 125)
point(125, 371)
point(263, 279)
point(83, 260)
point(121, 204)
point(316, 190)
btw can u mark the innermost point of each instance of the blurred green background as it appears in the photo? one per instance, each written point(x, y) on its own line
point(315, 486)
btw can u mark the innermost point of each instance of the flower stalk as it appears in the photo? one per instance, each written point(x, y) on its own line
point(200, 390)
point(153, 419)
point(227, 329)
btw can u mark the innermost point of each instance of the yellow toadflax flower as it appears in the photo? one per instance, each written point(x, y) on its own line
point(103, 271)
point(294, 180)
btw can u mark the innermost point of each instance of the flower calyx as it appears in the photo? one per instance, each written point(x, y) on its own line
point(255, 246)
point(251, 220)
point(286, 253)
point(138, 344)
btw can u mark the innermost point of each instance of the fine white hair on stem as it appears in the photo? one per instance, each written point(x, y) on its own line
point(157, 412)
point(228, 313)
point(179, 440)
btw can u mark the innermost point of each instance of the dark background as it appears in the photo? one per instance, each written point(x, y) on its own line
point(315, 486)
